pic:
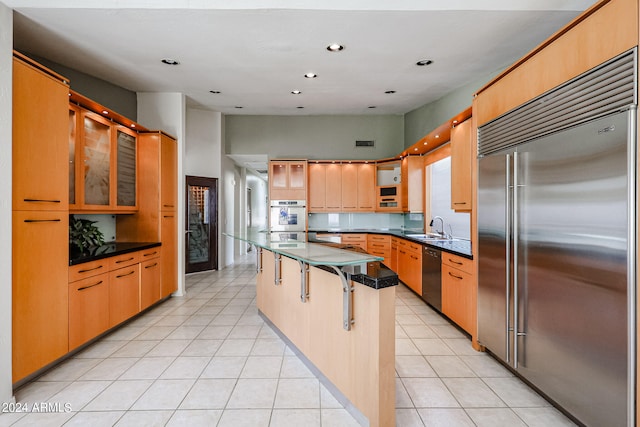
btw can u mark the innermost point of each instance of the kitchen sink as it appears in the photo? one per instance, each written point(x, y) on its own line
point(431, 237)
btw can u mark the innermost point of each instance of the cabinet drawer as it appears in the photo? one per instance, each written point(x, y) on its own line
point(354, 238)
point(463, 264)
point(379, 238)
point(88, 269)
point(88, 309)
point(124, 260)
point(150, 253)
point(414, 247)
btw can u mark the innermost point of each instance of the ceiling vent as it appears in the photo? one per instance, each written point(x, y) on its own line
point(365, 143)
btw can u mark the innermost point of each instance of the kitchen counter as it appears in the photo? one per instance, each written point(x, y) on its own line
point(459, 247)
point(108, 250)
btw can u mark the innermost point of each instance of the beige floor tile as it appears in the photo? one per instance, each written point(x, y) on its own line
point(214, 332)
point(406, 347)
point(298, 393)
point(400, 332)
point(413, 366)
point(144, 418)
point(120, 395)
point(156, 333)
point(403, 400)
point(432, 347)
point(515, 393)
point(185, 332)
point(198, 320)
point(450, 366)
point(295, 418)
point(70, 370)
point(172, 320)
point(429, 393)
point(460, 346)
point(163, 395)
point(135, 349)
point(408, 418)
point(253, 394)
point(39, 391)
point(327, 400)
point(186, 368)
point(419, 331)
point(448, 331)
point(262, 367)
point(239, 347)
point(79, 393)
point(495, 417)
point(245, 418)
point(543, 417)
point(224, 367)
point(110, 369)
point(267, 333)
point(95, 419)
point(473, 393)
point(209, 394)
point(292, 367)
point(485, 366)
point(268, 347)
point(408, 319)
point(101, 349)
point(126, 333)
point(168, 347)
point(437, 417)
point(148, 368)
point(52, 419)
point(337, 418)
point(245, 332)
point(195, 418)
point(202, 347)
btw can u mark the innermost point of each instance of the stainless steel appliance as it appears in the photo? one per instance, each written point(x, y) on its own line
point(288, 215)
point(432, 276)
point(557, 244)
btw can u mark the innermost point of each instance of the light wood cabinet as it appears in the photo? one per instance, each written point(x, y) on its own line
point(410, 264)
point(156, 219)
point(412, 186)
point(40, 220)
point(124, 294)
point(169, 257)
point(40, 291)
point(366, 192)
point(88, 308)
point(349, 180)
point(393, 262)
point(103, 164)
point(380, 245)
point(355, 239)
point(388, 187)
point(458, 290)
point(341, 187)
point(40, 181)
point(461, 158)
point(288, 179)
point(333, 192)
point(317, 187)
point(150, 281)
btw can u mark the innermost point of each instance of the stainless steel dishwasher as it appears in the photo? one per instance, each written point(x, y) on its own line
point(431, 276)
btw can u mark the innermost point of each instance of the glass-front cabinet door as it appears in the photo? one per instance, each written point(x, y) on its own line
point(126, 168)
point(74, 112)
point(96, 161)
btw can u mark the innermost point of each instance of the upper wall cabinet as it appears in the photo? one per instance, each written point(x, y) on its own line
point(39, 139)
point(461, 184)
point(412, 184)
point(288, 179)
point(341, 187)
point(104, 167)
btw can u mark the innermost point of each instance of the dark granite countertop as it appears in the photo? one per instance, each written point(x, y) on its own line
point(108, 250)
point(459, 247)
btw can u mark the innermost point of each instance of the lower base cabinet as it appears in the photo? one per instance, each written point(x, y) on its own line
point(169, 257)
point(149, 282)
point(457, 290)
point(410, 264)
point(88, 309)
point(124, 294)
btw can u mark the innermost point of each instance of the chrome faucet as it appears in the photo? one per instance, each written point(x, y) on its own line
point(441, 232)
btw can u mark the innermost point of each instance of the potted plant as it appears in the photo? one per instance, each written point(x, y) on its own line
point(83, 234)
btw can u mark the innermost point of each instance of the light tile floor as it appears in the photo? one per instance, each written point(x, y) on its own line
point(208, 359)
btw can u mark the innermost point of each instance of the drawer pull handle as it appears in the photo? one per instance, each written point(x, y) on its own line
point(90, 269)
point(169, 206)
point(90, 286)
point(459, 203)
point(124, 260)
point(42, 220)
point(152, 253)
point(125, 275)
point(455, 262)
point(414, 257)
point(168, 216)
point(453, 275)
point(152, 265)
point(41, 201)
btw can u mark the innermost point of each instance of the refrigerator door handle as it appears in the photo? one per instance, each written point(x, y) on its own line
point(515, 261)
point(507, 227)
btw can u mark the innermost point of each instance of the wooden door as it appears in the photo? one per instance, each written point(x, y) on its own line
point(88, 309)
point(201, 213)
point(317, 187)
point(461, 167)
point(168, 174)
point(124, 293)
point(334, 187)
point(149, 282)
point(366, 187)
point(349, 186)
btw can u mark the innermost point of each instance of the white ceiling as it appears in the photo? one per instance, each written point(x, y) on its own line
point(255, 52)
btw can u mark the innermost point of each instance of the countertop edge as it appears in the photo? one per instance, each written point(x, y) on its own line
point(129, 247)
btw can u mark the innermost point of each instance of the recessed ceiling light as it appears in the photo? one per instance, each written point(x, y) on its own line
point(425, 143)
point(296, 92)
point(415, 149)
point(170, 61)
point(437, 136)
point(215, 92)
point(335, 47)
point(133, 125)
point(389, 91)
point(455, 121)
point(105, 112)
point(311, 75)
point(424, 62)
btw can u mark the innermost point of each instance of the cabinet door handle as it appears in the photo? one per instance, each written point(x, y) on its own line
point(42, 220)
point(41, 201)
point(402, 252)
point(454, 276)
point(124, 260)
point(455, 262)
point(90, 269)
point(169, 206)
point(459, 203)
point(125, 275)
point(168, 216)
point(414, 257)
point(90, 286)
point(152, 253)
point(152, 265)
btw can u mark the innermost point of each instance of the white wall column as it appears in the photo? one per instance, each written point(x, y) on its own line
point(167, 112)
point(6, 107)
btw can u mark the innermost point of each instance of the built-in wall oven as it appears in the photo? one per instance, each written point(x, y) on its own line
point(288, 215)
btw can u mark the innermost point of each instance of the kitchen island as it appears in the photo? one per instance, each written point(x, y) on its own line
point(336, 310)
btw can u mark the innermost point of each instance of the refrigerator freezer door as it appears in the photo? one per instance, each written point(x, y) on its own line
point(572, 268)
point(494, 284)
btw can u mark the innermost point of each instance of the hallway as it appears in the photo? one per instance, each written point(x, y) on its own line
point(208, 359)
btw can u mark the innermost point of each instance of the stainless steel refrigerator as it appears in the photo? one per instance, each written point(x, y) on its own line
point(556, 224)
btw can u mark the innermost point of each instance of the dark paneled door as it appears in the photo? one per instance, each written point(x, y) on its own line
point(202, 224)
